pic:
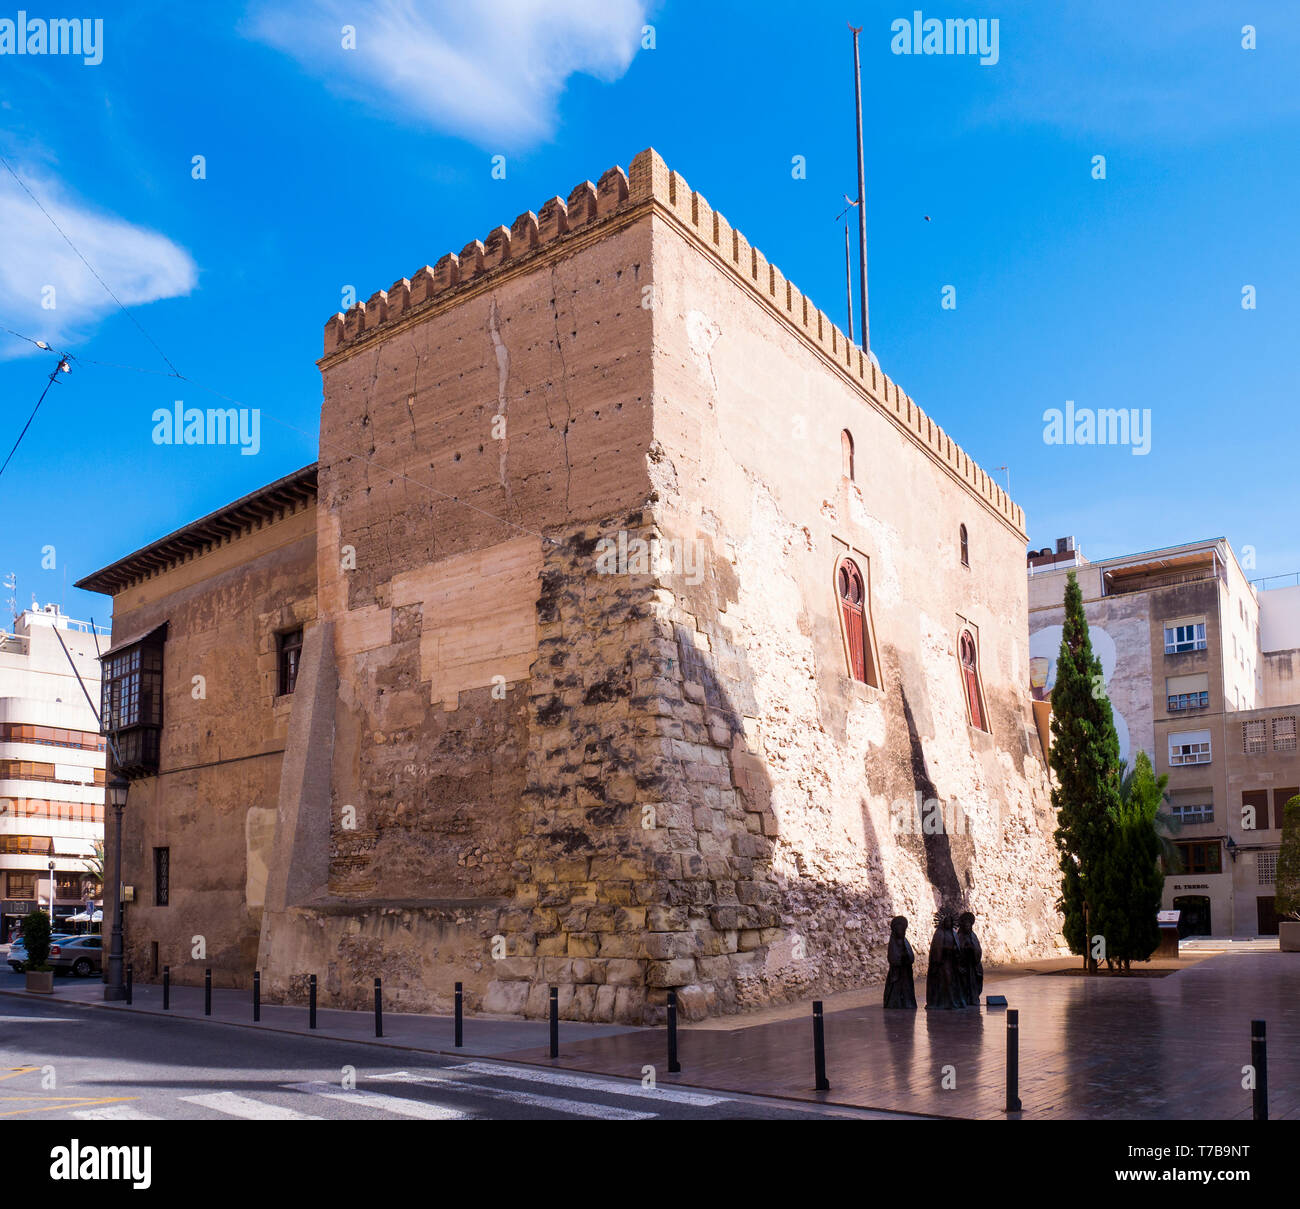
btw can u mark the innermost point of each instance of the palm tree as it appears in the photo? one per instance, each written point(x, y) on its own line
point(95, 866)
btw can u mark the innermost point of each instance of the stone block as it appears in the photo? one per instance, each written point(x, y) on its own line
point(673, 973)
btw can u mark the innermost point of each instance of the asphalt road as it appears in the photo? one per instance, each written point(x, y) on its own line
point(61, 1062)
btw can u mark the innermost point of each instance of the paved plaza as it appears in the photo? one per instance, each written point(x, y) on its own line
point(1168, 1045)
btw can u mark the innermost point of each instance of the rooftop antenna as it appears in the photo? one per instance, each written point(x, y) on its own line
point(862, 197)
point(1008, 470)
point(11, 586)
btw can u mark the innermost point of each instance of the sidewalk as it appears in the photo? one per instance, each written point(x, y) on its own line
point(1164, 1047)
point(484, 1036)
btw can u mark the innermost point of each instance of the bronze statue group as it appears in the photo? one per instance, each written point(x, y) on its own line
point(955, 978)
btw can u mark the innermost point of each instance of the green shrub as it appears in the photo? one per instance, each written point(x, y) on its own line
point(36, 939)
point(1288, 863)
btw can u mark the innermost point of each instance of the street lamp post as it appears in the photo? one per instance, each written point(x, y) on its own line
point(51, 891)
point(118, 788)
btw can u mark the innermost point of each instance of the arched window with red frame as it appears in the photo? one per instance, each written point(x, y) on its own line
point(852, 591)
point(970, 677)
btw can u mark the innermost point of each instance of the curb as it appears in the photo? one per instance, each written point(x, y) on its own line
point(819, 1100)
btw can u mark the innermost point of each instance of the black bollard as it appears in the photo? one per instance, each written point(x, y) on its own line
point(674, 1067)
point(819, 1048)
point(257, 996)
point(555, 1022)
point(379, 1010)
point(1259, 1060)
point(130, 979)
point(311, 1002)
point(460, 1016)
point(1013, 1061)
point(207, 992)
point(167, 987)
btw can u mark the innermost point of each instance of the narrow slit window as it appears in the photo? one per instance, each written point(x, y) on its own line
point(290, 645)
point(965, 548)
point(846, 452)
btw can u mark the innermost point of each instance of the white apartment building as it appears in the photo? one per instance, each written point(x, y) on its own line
point(1202, 668)
point(51, 765)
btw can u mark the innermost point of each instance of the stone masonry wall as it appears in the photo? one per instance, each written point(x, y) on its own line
point(670, 779)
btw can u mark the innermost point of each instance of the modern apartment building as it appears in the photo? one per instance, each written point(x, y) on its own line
point(51, 765)
point(1200, 668)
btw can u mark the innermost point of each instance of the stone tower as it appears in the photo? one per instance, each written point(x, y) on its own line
point(581, 706)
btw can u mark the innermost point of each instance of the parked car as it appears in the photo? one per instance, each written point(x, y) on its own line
point(18, 951)
point(80, 954)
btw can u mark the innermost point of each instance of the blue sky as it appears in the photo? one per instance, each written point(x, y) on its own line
point(328, 168)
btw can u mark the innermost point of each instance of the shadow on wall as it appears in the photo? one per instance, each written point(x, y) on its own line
point(939, 868)
point(806, 935)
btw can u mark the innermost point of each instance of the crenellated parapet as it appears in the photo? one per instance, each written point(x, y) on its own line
point(650, 185)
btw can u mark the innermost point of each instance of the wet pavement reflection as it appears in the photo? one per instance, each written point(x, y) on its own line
point(1090, 1048)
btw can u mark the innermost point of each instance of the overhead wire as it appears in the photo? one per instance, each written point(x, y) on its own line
point(175, 373)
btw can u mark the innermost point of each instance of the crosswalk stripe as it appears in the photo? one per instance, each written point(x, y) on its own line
point(395, 1104)
point(241, 1106)
point(119, 1112)
point(577, 1108)
point(609, 1087)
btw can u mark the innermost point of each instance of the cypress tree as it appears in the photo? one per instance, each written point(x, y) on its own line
point(1085, 760)
point(1132, 883)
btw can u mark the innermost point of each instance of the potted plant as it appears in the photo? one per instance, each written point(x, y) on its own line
point(1287, 891)
point(36, 935)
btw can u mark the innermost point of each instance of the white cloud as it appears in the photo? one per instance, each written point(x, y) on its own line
point(39, 268)
point(490, 71)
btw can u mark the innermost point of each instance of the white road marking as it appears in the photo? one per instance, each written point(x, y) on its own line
point(35, 1020)
point(395, 1104)
point(609, 1087)
point(114, 1112)
point(241, 1106)
point(577, 1108)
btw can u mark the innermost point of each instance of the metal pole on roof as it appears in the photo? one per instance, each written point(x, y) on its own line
point(862, 197)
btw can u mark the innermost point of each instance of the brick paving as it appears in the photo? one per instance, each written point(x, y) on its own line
point(1090, 1048)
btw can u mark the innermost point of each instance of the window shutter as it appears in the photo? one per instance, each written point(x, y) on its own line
point(851, 606)
point(971, 678)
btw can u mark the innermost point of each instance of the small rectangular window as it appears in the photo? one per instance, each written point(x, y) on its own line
point(1254, 737)
point(1266, 863)
point(1200, 857)
point(1193, 813)
point(162, 876)
point(1180, 638)
point(1284, 734)
point(1190, 747)
point(289, 651)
